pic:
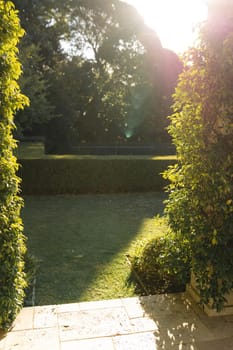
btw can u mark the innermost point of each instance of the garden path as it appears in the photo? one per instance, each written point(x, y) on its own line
point(170, 322)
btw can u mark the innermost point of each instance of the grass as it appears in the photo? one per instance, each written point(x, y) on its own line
point(81, 243)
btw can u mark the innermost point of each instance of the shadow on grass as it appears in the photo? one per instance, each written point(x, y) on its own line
point(76, 237)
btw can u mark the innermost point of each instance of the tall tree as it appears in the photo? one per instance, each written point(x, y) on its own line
point(122, 97)
point(45, 24)
point(40, 52)
point(109, 42)
point(36, 87)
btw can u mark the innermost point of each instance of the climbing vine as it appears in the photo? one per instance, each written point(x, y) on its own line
point(200, 203)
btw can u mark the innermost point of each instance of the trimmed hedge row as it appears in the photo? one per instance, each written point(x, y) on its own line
point(92, 175)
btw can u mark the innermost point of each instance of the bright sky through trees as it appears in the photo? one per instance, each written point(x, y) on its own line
point(173, 20)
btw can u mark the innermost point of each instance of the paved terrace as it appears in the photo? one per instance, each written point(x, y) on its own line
point(141, 323)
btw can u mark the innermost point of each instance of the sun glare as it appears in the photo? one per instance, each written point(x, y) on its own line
point(173, 20)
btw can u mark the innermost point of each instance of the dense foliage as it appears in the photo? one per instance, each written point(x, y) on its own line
point(94, 73)
point(161, 265)
point(12, 247)
point(200, 204)
point(40, 52)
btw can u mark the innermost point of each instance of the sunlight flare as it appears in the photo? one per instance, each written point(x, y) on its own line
point(173, 20)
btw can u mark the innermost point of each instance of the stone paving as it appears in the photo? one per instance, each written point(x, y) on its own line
point(142, 323)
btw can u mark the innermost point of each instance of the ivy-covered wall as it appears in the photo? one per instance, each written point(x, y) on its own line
point(12, 245)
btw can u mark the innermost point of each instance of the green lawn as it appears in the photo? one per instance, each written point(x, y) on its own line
point(81, 243)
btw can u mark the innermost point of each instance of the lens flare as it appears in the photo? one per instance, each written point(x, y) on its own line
point(129, 133)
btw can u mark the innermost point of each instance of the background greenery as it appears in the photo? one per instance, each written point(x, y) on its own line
point(112, 83)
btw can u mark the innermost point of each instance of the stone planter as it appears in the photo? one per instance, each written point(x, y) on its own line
point(192, 290)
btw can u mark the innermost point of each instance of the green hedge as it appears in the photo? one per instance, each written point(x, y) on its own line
point(12, 240)
point(67, 174)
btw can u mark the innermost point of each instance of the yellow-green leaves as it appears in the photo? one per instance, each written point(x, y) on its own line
point(12, 247)
point(214, 239)
point(200, 204)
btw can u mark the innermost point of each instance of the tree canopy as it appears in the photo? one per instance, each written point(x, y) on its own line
point(98, 73)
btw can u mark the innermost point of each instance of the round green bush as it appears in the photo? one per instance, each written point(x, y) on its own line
point(162, 266)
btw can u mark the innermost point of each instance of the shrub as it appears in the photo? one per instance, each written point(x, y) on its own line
point(12, 247)
point(94, 174)
point(162, 265)
point(200, 205)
